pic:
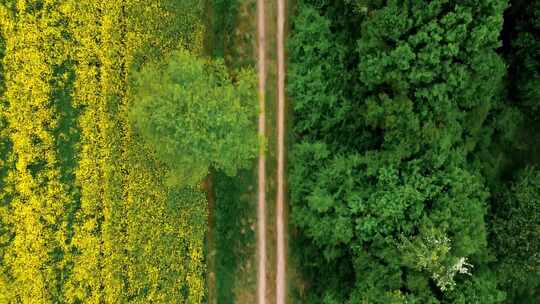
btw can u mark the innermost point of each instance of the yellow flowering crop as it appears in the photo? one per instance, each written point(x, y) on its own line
point(91, 221)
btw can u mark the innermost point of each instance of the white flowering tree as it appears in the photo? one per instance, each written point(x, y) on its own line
point(431, 253)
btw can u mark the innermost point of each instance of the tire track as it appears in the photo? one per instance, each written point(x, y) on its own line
point(261, 205)
point(280, 202)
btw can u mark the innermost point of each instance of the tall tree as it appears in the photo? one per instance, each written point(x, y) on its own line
point(516, 231)
point(196, 117)
point(381, 179)
point(514, 224)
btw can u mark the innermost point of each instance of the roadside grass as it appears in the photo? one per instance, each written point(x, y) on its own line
point(235, 218)
point(231, 36)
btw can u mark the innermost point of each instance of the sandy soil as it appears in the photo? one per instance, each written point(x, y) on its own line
point(261, 205)
point(280, 201)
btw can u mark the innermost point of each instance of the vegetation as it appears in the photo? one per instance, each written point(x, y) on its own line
point(404, 141)
point(234, 241)
point(224, 22)
point(196, 118)
point(35, 228)
point(414, 173)
point(515, 231)
point(515, 225)
point(87, 213)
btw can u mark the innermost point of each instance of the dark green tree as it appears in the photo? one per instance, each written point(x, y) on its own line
point(516, 230)
point(387, 122)
point(514, 224)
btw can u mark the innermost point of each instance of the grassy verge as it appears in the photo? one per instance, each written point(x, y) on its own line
point(235, 218)
point(231, 36)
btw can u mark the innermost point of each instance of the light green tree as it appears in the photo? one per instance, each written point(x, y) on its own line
point(196, 116)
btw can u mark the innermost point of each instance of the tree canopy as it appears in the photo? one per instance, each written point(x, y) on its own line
point(196, 116)
point(403, 140)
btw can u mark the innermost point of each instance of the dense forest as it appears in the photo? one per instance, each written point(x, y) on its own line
point(414, 174)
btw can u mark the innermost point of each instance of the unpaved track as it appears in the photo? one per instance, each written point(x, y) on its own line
point(280, 200)
point(261, 205)
point(280, 295)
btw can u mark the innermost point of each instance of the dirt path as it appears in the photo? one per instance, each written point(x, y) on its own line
point(280, 223)
point(261, 205)
point(280, 199)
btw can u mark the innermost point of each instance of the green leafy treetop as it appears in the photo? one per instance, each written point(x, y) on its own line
point(516, 231)
point(196, 116)
point(381, 179)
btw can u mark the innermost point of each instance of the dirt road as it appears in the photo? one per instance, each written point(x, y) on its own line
point(280, 199)
point(261, 204)
point(280, 229)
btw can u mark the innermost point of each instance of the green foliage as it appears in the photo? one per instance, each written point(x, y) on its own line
point(513, 228)
point(387, 119)
point(430, 251)
point(516, 230)
point(196, 117)
point(235, 240)
point(318, 75)
point(524, 57)
point(522, 43)
point(480, 288)
point(225, 13)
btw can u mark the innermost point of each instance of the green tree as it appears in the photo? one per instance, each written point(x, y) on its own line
point(388, 116)
point(196, 116)
point(516, 231)
point(525, 60)
point(512, 158)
